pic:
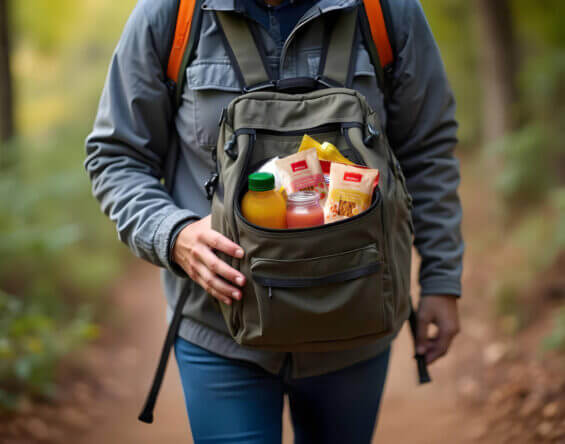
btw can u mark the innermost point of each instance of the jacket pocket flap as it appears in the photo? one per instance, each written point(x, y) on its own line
point(216, 75)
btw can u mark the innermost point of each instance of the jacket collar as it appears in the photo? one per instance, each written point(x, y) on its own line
point(321, 7)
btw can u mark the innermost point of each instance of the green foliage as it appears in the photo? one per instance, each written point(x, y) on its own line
point(58, 253)
point(509, 308)
point(526, 174)
point(452, 22)
point(530, 180)
point(538, 236)
point(540, 23)
point(555, 341)
point(31, 343)
point(44, 23)
point(533, 156)
point(558, 201)
point(46, 226)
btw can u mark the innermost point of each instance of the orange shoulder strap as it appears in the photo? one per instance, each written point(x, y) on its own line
point(180, 41)
point(379, 31)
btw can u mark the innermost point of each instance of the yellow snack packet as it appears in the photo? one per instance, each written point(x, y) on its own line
point(309, 142)
point(326, 151)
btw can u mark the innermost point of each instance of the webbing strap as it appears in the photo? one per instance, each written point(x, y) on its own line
point(423, 375)
point(180, 41)
point(379, 31)
point(340, 44)
point(146, 414)
point(241, 45)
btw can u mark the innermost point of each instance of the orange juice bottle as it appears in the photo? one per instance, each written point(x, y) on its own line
point(262, 205)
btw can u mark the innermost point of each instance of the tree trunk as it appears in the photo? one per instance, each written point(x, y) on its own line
point(498, 64)
point(6, 97)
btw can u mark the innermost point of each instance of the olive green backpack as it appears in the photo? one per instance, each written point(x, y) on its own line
point(324, 288)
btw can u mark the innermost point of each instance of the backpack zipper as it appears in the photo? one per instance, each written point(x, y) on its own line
point(334, 278)
point(326, 128)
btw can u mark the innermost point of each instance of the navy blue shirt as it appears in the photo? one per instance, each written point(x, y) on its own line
point(279, 20)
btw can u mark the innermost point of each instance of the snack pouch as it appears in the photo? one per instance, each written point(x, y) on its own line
point(326, 151)
point(350, 192)
point(302, 172)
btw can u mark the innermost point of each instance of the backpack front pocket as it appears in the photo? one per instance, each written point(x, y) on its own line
point(321, 301)
point(313, 289)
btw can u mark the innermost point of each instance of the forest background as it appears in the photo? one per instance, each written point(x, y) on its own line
point(59, 255)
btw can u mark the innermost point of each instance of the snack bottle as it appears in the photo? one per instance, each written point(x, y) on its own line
point(304, 210)
point(262, 205)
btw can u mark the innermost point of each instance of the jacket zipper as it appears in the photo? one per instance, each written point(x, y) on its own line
point(299, 26)
point(291, 36)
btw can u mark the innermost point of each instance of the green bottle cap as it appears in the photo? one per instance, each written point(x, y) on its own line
point(261, 182)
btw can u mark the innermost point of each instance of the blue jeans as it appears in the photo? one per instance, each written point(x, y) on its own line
point(230, 401)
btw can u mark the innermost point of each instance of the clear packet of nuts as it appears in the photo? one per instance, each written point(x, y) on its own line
point(350, 191)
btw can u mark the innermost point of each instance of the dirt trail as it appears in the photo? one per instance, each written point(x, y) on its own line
point(410, 414)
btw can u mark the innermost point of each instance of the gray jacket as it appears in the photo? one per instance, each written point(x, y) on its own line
point(137, 123)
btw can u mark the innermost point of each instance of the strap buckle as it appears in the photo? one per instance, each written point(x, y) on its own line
point(211, 185)
point(326, 82)
point(230, 148)
point(260, 86)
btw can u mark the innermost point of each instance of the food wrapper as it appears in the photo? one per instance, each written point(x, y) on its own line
point(302, 172)
point(271, 167)
point(326, 151)
point(350, 191)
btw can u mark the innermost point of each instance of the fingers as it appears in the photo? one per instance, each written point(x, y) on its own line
point(213, 285)
point(439, 346)
point(219, 267)
point(221, 243)
point(193, 250)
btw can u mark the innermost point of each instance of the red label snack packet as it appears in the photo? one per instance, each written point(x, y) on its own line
point(351, 190)
point(302, 172)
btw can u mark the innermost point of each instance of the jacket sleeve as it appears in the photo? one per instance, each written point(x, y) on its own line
point(422, 131)
point(132, 132)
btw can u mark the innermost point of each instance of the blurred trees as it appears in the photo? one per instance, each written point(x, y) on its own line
point(497, 66)
point(46, 24)
point(531, 153)
point(6, 95)
point(58, 252)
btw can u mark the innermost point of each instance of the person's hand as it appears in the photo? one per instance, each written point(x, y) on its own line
point(440, 311)
point(194, 252)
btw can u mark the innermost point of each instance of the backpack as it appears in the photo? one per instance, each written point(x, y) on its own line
point(323, 288)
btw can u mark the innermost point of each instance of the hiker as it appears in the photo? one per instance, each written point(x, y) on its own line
point(233, 392)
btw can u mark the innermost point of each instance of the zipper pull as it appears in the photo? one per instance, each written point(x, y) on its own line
point(373, 133)
point(230, 147)
point(270, 292)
